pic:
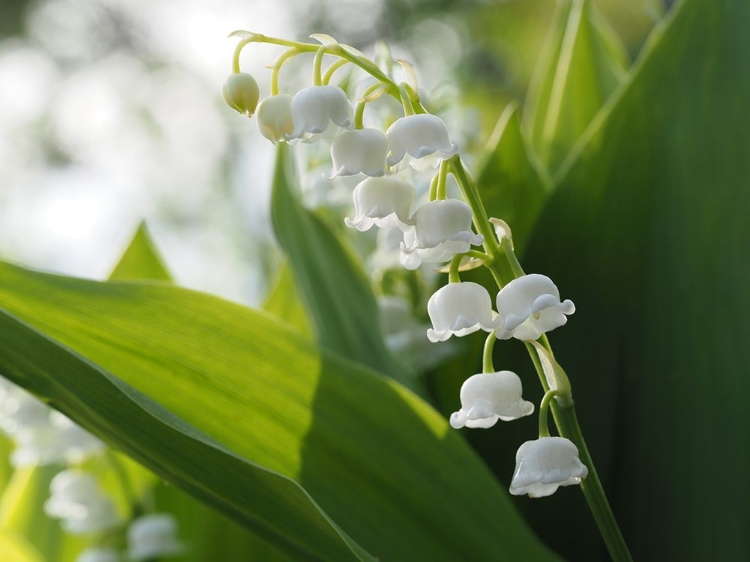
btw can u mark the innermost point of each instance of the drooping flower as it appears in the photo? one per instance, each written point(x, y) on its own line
point(488, 397)
point(441, 230)
point(383, 202)
point(241, 93)
point(421, 141)
point(545, 464)
point(152, 536)
point(77, 500)
point(460, 309)
point(530, 306)
point(320, 110)
point(98, 554)
point(360, 151)
point(275, 118)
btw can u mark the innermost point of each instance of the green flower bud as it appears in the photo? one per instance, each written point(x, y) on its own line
point(241, 93)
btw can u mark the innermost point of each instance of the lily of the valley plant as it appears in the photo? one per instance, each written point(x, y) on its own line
point(440, 232)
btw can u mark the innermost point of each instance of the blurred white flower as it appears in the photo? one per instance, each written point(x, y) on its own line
point(545, 464)
point(77, 500)
point(320, 110)
point(98, 554)
point(384, 202)
point(73, 442)
point(441, 230)
point(530, 306)
point(460, 309)
point(152, 536)
point(488, 397)
point(387, 250)
point(275, 118)
point(360, 151)
point(420, 141)
point(22, 411)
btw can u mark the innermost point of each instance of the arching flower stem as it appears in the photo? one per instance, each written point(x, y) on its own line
point(504, 268)
point(405, 99)
point(359, 111)
point(543, 411)
point(278, 63)
point(318, 65)
point(433, 187)
point(489, 345)
point(328, 74)
point(442, 185)
point(453, 276)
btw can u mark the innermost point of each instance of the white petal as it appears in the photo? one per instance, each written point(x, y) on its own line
point(545, 464)
point(419, 136)
point(275, 118)
point(459, 309)
point(315, 108)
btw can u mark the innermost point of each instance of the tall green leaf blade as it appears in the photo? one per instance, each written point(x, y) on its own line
point(512, 183)
point(379, 460)
point(582, 64)
point(141, 260)
point(647, 233)
point(15, 548)
point(332, 285)
point(283, 300)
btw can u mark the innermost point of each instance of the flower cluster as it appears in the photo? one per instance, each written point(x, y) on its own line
point(437, 231)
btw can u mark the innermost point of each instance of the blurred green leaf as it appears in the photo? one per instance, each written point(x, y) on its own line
point(15, 548)
point(283, 301)
point(512, 183)
point(647, 233)
point(245, 405)
point(332, 284)
point(581, 65)
point(140, 260)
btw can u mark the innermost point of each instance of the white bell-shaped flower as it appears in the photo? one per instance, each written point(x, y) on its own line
point(318, 110)
point(77, 500)
point(153, 536)
point(275, 118)
point(488, 397)
point(98, 554)
point(360, 151)
point(420, 141)
point(383, 202)
point(441, 230)
point(530, 306)
point(460, 309)
point(545, 464)
point(36, 446)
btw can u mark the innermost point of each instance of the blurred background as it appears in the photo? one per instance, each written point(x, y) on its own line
point(110, 113)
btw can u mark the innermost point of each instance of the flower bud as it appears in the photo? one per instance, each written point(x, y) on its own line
point(241, 93)
point(275, 118)
point(384, 202)
point(545, 464)
point(488, 397)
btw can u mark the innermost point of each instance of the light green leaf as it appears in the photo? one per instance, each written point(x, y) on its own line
point(512, 183)
point(283, 300)
point(581, 65)
point(647, 233)
point(332, 284)
point(15, 548)
point(140, 260)
point(245, 406)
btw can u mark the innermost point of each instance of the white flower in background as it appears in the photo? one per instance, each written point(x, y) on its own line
point(530, 306)
point(420, 141)
point(384, 202)
point(98, 554)
point(460, 309)
point(241, 93)
point(360, 151)
point(441, 230)
point(387, 250)
point(275, 118)
point(74, 443)
point(320, 110)
point(545, 464)
point(152, 536)
point(36, 446)
point(22, 411)
point(77, 500)
point(488, 397)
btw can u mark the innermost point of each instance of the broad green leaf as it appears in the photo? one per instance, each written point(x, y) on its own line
point(283, 300)
point(15, 548)
point(140, 260)
point(512, 183)
point(581, 65)
point(332, 284)
point(647, 233)
point(245, 405)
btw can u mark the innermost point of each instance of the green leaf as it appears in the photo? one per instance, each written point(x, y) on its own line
point(581, 65)
point(140, 260)
point(512, 183)
point(15, 548)
point(244, 397)
point(332, 285)
point(283, 301)
point(647, 233)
